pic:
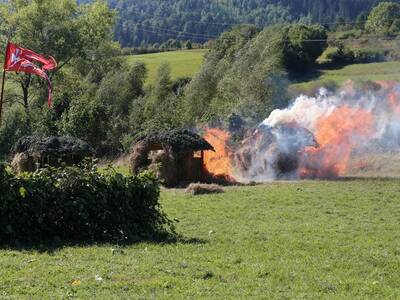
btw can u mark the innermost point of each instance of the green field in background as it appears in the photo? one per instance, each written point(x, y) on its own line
point(357, 72)
point(184, 63)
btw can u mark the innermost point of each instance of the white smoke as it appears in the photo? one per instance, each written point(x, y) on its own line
point(305, 111)
point(274, 150)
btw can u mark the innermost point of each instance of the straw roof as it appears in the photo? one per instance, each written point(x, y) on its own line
point(53, 146)
point(177, 140)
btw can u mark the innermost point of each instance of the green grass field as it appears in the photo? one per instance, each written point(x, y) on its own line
point(356, 72)
point(186, 63)
point(301, 240)
point(183, 63)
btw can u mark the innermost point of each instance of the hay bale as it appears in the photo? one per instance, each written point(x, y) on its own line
point(273, 152)
point(139, 157)
point(177, 140)
point(54, 146)
point(202, 189)
point(23, 162)
point(53, 151)
point(165, 166)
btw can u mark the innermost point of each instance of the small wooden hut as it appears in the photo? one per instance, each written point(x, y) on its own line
point(31, 152)
point(175, 156)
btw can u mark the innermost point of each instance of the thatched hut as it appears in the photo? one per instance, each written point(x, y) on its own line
point(31, 152)
point(175, 156)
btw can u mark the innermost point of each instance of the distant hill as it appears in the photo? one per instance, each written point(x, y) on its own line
point(155, 21)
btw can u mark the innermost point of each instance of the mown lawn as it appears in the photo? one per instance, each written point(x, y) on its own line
point(184, 63)
point(356, 72)
point(337, 240)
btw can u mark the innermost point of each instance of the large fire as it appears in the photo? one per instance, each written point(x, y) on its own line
point(219, 162)
point(316, 137)
point(394, 102)
point(337, 135)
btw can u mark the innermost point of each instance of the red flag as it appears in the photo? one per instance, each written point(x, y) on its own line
point(19, 59)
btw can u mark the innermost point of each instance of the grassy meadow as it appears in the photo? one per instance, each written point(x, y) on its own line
point(184, 63)
point(355, 72)
point(311, 239)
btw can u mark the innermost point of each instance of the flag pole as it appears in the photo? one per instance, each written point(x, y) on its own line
point(2, 85)
point(2, 94)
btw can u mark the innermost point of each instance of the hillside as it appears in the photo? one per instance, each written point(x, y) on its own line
point(155, 21)
point(183, 63)
point(356, 72)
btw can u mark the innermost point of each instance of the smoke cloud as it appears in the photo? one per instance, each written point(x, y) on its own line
point(319, 137)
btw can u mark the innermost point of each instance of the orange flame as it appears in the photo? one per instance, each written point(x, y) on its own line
point(394, 102)
point(219, 162)
point(337, 135)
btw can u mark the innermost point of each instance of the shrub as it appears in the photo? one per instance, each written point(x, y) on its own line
point(201, 189)
point(79, 204)
point(14, 126)
point(343, 55)
point(351, 34)
point(336, 56)
point(368, 55)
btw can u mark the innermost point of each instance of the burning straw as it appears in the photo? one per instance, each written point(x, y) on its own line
point(315, 137)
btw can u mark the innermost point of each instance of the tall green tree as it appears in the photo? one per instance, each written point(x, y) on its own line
point(384, 19)
point(80, 38)
point(242, 76)
point(163, 108)
point(101, 114)
point(299, 53)
point(61, 28)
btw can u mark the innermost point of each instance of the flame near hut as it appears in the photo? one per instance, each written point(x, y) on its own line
point(177, 156)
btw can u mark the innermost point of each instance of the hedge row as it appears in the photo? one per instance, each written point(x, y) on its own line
point(78, 204)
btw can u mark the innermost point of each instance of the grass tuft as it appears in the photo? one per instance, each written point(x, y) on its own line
point(202, 189)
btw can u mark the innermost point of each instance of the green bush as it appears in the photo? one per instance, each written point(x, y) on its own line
point(336, 56)
point(79, 204)
point(368, 55)
point(342, 55)
point(14, 126)
point(350, 34)
point(384, 19)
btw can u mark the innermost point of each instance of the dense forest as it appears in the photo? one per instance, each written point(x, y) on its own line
point(143, 23)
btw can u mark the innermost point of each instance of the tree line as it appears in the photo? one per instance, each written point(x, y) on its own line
point(152, 22)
